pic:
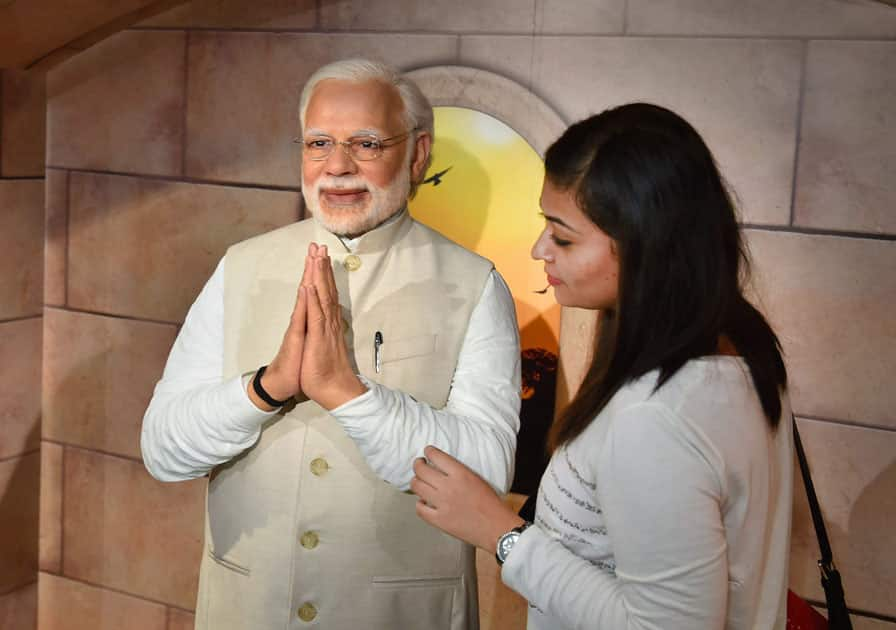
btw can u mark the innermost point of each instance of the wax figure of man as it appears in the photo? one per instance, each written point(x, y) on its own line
point(381, 336)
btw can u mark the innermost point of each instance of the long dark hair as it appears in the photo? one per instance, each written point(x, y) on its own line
point(644, 176)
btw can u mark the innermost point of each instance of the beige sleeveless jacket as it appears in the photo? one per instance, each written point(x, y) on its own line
point(300, 532)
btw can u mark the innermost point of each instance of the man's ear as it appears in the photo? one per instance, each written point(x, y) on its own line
point(422, 148)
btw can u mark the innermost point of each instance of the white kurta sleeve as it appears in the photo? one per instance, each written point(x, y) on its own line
point(480, 420)
point(195, 421)
point(661, 500)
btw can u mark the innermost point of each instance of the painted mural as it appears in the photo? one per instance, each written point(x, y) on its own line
point(482, 191)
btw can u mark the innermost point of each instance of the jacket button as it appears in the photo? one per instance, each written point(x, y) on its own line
point(309, 540)
point(351, 262)
point(307, 612)
point(319, 466)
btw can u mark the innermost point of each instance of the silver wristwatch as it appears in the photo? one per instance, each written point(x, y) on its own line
point(507, 541)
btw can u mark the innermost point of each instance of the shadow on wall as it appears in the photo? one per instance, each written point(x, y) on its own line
point(856, 549)
point(870, 531)
point(19, 518)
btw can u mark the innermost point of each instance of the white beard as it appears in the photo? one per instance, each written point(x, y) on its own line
point(352, 220)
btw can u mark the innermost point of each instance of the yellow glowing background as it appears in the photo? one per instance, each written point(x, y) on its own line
point(482, 191)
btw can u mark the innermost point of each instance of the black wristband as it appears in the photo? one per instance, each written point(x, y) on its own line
point(256, 385)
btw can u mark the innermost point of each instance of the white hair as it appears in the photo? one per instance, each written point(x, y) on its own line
point(417, 115)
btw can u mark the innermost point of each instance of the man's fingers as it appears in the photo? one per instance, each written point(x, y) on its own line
point(331, 283)
point(329, 280)
point(315, 313)
point(299, 314)
point(315, 282)
point(296, 328)
point(308, 270)
point(295, 307)
point(319, 272)
point(323, 282)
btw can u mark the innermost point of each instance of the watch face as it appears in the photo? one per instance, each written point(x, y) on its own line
point(506, 544)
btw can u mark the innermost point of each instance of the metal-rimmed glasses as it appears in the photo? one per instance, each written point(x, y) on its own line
point(363, 147)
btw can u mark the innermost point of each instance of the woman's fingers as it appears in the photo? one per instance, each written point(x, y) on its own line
point(427, 473)
point(423, 490)
point(457, 501)
point(442, 461)
point(426, 512)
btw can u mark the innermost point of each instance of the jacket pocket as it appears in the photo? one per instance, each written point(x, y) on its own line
point(408, 347)
point(228, 600)
point(411, 603)
point(227, 563)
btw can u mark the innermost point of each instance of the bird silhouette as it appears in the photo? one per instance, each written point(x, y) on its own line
point(436, 179)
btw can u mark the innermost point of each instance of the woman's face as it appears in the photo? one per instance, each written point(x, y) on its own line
point(579, 258)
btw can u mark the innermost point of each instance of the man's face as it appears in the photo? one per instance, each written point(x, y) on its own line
point(350, 197)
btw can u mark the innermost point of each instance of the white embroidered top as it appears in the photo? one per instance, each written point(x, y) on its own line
point(670, 511)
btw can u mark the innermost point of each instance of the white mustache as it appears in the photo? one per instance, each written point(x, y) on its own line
point(341, 183)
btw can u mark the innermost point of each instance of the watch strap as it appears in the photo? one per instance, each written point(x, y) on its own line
point(256, 385)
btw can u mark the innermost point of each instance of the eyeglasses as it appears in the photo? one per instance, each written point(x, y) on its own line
point(362, 148)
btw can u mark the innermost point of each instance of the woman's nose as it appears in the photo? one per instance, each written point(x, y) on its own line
point(539, 248)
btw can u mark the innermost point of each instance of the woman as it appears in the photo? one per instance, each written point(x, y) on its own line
point(666, 503)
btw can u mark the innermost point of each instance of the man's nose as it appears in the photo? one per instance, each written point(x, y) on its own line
point(339, 162)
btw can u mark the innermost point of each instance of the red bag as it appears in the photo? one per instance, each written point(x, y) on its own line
point(801, 615)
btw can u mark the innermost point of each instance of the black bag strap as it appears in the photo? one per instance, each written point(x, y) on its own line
point(838, 613)
point(824, 545)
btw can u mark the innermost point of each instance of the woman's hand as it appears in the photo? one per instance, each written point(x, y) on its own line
point(456, 500)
